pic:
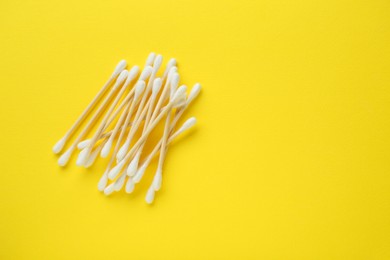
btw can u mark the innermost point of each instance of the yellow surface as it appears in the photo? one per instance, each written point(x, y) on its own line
point(290, 158)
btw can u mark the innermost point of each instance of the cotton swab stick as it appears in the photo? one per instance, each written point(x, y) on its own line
point(132, 168)
point(171, 63)
point(81, 145)
point(83, 156)
point(64, 158)
point(158, 175)
point(121, 119)
point(93, 156)
point(144, 76)
point(186, 125)
point(138, 176)
point(130, 182)
point(193, 94)
point(174, 82)
point(174, 102)
point(163, 96)
point(140, 86)
point(150, 59)
point(156, 66)
point(61, 143)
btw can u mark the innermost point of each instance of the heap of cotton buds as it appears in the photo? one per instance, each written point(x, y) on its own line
point(132, 104)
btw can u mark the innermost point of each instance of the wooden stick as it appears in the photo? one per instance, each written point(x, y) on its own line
point(103, 181)
point(61, 143)
point(158, 176)
point(179, 95)
point(64, 158)
point(132, 168)
point(122, 151)
point(139, 88)
point(83, 156)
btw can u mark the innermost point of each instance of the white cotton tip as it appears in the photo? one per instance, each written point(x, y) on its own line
point(174, 83)
point(170, 64)
point(187, 124)
point(103, 182)
point(181, 102)
point(109, 189)
point(157, 62)
point(122, 151)
point(139, 88)
point(118, 69)
point(130, 185)
point(140, 173)
point(118, 184)
point(64, 158)
point(106, 149)
point(194, 92)
point(122, 77)
point(132, 169)
point(150, 59)
point(83, 144)
point(91, 158)
point(83, 157)
point(179, 95)
point(146, 73)
point(171, 72)
point(133, 73)
point(59, 145)
point(116, 170)
point(156, 86)
point(150, 195)
point(157, 180)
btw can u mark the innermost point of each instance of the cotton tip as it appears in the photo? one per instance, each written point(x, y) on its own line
point(91, 158)
point(150, 195)
point(118, 69)
point(109, 189)
point(132, 169)
point(138, 176)
point(170, 64)
point(174, 83)
point(139, 88)
point(64, 158)
point(194, 92)
point(122, 151)
point(118, 184)
point(133, 73)
point(187, 124)
point(171, 72)
point(106, 149)
point(181, 102)
point(150, 59)
point(103, 182)
point(157, 62)
point(146, 73)
point(179, 94)
point(116, 170)
point(156, 86)
point(59, 145)
point(157, 180)
point(83, 157)
point(83, 144)
point(122, 76)
point(129, 185)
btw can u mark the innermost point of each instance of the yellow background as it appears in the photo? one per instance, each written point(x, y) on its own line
point(290, 158)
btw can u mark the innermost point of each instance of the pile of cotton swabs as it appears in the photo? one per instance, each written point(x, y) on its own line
point(131, 109)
